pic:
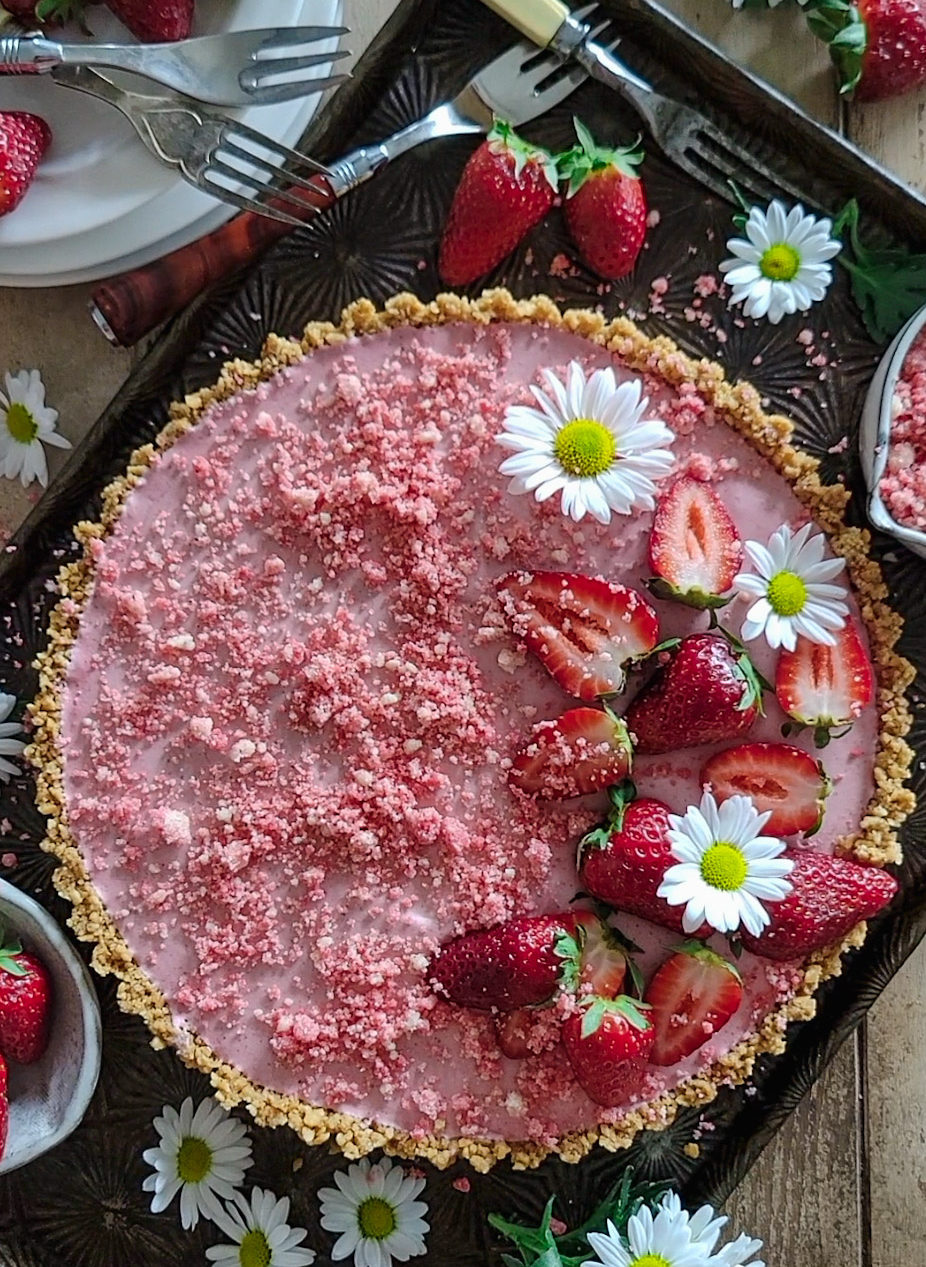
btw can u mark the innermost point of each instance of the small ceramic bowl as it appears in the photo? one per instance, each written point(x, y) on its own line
point(875, 434)
point(49, 1098)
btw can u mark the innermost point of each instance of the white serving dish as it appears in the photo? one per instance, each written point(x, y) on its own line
point(875, 434)
point(48, 1099)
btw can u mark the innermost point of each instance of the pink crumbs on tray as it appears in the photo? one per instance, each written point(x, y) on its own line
point(903, 486)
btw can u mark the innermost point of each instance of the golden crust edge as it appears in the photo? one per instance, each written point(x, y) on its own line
point(875, 843)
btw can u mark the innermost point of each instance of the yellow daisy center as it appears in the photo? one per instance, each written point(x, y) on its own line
point(724, 866)
point(651, 1260)
point(21, 424)
point(780, 262)
point(376, 1219)
point(254, 1250)
point(787, 593)
point(584, 447)
point(194, 1159)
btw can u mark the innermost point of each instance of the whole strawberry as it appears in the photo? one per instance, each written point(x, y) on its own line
point(521, 963)
point(25, 1005)
point(878, 46)
point(506, 188)
point(708, 691)
point(829, 896)
point(155, 21)
point(24, 138)
point(623, 862)
point(608, 1042)
point(605, 205)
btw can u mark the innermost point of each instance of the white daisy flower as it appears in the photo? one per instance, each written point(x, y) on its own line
point(26, 424)
point(590, 442)
point(704, 1228)
point(260, 1234)
point(792, 591)
point(723, 866)
point(9, 747)
point(201, 1154)
point(781, 266)
point(660, 1240)
point(374, 1209)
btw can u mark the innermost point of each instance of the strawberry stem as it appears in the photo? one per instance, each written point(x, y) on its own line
point(588, 158)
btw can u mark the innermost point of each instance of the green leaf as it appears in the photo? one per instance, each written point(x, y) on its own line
point(888, 282)
point(843, 30)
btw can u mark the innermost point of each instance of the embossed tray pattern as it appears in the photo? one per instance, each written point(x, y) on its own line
point(82, 1205)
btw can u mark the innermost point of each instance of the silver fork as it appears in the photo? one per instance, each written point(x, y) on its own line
point(238, 68)
point(518, 86)
point(217, 154)
point(690, 139)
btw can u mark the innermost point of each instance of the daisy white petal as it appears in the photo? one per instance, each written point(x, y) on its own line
point(721, 859)
point(374, 1207)
point(783, 265)
point(590, 440)
point(26, 424)
point(792, 589)
point(202, 1154)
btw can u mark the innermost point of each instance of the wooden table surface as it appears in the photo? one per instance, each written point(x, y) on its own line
point(844, 1183)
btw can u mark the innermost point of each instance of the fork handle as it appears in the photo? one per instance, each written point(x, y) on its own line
point(129, 306)
point(28, 54)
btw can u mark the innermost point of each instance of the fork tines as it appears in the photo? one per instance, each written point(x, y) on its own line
point(278, 78)
point(244, 164)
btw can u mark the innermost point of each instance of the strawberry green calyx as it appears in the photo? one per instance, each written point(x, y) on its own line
point(620, 795)
point(699, 599)
point(632, 1011)
point(504, 140)
point(8, 961)
point(588, 158)
point(568, 947)
point(60, 11)
point(756, 684)
point(842, 28)
point(700, 950)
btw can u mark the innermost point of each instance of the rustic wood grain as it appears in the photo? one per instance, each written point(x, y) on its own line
point(895, 1109)
point(804, 1197)
point(895, 131)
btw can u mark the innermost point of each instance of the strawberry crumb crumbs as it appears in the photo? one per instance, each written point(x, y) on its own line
point(903, 486)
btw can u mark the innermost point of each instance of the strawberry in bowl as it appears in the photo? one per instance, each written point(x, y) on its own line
point(50, 1032)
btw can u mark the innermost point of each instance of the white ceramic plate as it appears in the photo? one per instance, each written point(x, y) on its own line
point(101, 203)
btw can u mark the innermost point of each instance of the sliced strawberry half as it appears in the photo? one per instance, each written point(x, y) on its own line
point(513, 1031)
point(825, 688)
point(694, 548)
point(584, 630)
point(582, 751)
point(692, 996)
point(776, 777)
point(605, 957)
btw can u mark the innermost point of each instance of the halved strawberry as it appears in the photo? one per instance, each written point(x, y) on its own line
point(584, 630)
point(605, 957)
point(692, 996)
point(694, 548)
point(776, 777)
point(825, 687)
point(513, 1030)
point(582, 751)
point(521, 963)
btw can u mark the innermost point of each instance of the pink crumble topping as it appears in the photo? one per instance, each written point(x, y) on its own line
point(903, 485)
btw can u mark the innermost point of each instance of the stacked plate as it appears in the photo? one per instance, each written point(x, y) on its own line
point(100, 203)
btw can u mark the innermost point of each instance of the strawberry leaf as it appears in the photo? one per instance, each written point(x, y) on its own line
point(888, 282)
point(620, 795)
point(588, 158)
point(842, 28)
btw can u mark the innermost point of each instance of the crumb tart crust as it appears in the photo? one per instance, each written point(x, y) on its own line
point(875, 841)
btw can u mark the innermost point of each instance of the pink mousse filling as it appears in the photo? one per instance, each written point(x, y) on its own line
point(292, 705)
point(903, 485)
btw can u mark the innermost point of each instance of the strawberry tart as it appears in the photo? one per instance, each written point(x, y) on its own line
point(403, 637)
